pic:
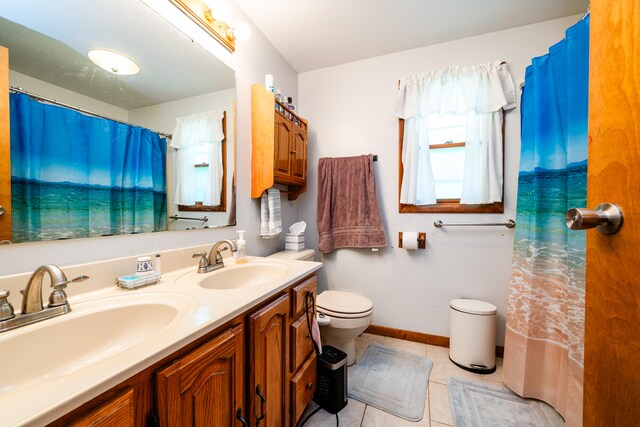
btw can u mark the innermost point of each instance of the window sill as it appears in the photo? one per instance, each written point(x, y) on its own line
point(202, 208)
point(452, 207)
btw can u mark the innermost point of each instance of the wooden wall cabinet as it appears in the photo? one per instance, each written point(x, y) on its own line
point(278, 146)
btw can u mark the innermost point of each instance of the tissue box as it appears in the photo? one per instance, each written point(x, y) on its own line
point(294, 242)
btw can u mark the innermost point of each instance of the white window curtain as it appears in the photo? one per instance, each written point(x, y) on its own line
point(189, 135)
point(480, 92)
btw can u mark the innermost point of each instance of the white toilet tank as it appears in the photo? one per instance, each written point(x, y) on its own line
point(304, 255)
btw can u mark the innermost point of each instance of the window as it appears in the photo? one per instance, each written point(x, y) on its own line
point(447, 146)
point(200, 162)
point(446, 135)
point(452, 138)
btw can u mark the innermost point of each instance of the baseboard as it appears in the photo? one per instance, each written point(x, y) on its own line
point(417, 337)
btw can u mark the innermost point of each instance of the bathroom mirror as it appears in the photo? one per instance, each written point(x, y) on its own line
point(47, 45)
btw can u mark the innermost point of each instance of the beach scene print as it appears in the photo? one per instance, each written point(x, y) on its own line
point(74, 175)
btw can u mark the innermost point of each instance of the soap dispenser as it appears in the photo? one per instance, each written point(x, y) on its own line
point(242, 248)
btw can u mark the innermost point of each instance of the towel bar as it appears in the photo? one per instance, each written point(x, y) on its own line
point(176, 217)
point(509, 224)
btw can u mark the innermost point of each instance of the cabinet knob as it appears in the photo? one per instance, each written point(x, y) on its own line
point(293, 152)
point(309, 386)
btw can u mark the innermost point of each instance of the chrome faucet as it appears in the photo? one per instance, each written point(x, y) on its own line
point(33, 309)
point(213, 260)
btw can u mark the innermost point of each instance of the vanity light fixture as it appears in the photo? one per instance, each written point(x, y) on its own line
point(113, 62)
point(213, 16)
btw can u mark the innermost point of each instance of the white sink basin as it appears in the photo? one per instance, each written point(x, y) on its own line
point(92, 332)
point(237, 276)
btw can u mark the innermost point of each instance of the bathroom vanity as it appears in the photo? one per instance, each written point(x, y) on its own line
point(230, 347)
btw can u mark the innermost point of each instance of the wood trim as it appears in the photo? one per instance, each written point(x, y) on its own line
point(5, 147)
point(447, 145)
point(447, 205)
point(222, 207)
point(417, 337)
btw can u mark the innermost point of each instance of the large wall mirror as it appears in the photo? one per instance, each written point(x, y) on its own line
point(96, 153)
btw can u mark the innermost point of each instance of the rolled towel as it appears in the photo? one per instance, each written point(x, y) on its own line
point(270, 215)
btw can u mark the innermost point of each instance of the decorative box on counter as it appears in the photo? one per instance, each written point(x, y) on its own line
point(294, 242)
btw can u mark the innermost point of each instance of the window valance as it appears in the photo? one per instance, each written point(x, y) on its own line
point(483, 88)
point(198, 129)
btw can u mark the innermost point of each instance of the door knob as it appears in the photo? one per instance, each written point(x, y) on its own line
point(1, 210)
point(607, 218)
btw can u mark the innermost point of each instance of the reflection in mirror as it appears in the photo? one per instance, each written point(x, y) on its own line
point(91, 150)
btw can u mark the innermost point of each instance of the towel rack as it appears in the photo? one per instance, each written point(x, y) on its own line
point(508, 223)
point(175, 217)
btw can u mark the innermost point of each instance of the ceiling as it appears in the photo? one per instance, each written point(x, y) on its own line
point(317, 34)
point(49, 41)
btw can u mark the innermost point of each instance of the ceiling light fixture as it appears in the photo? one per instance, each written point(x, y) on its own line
point(213, 16)
point(113, 62)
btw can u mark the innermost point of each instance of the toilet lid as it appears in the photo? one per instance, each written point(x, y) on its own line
point(343, 303)
point(473, 306)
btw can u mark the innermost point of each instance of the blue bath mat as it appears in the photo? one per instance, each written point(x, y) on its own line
point(475, 404)
point(392, 380)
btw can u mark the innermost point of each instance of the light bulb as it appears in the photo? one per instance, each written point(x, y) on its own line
point(241, 31)
point(220, 10)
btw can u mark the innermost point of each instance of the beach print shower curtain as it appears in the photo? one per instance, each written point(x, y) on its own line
point(545, 317)
point(74, 175)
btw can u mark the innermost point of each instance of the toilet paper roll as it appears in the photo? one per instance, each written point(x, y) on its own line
point(410, 240)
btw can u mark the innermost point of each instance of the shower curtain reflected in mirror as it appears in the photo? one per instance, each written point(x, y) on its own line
point(74, 175)
point(545, 317)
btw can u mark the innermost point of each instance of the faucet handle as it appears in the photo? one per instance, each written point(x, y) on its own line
point(204, 261)
point(6, 309)
point(58, 295)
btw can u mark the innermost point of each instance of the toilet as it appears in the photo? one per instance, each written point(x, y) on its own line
point(342, 315)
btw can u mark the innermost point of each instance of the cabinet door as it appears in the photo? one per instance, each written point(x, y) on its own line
point(268, 365)
point(204, 388)
point(119, 411)
point(299, 156)
point(281, 152)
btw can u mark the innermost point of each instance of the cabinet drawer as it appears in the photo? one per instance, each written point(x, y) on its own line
point(303, 385)
point(301, 343)
point(298, 294)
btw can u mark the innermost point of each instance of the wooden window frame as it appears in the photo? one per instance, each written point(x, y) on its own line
point(446, 205)
point(222, 207)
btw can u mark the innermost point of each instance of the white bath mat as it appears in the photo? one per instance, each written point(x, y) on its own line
point(392, 380)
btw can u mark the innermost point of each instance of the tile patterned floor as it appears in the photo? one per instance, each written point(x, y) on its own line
point(437, 412)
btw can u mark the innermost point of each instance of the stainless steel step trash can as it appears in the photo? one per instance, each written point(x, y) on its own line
point(472, 335)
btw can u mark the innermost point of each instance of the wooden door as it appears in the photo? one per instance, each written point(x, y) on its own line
point(204, 388)
point(612, 331)
point(118, 411)
point(5, 155)
point(282, 156)
point(268, 349)
point(299, 156)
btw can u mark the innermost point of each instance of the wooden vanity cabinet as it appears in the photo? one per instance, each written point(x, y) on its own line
point(215, 378)
point(302, 383)
point(278, 146)
point(268, 364)
point(204, 387)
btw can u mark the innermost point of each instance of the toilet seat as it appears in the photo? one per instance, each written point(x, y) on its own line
point(346, 305)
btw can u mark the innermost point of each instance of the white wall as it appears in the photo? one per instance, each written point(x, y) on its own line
point(251, 61)
point(42, 88)
point(162, 117)
point(350, 108)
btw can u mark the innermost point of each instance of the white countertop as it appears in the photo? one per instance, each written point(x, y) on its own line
point(47, 399)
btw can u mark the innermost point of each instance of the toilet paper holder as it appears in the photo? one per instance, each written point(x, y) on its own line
point(422, 240)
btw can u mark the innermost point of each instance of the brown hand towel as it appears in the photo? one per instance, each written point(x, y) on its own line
point(348, 210)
